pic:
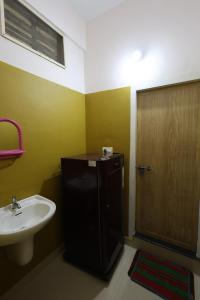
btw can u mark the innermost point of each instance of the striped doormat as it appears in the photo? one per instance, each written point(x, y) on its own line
point(164, 278)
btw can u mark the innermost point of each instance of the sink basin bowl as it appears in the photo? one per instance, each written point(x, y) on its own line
point(17, 225)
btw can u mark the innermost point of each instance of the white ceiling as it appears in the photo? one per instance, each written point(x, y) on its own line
point(90, 9)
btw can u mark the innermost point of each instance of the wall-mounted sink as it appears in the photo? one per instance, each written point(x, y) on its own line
point(17, 227)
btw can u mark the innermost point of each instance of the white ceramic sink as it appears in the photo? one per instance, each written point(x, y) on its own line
point(17, 225)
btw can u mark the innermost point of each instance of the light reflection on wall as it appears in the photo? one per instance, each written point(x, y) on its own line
point(141, 70)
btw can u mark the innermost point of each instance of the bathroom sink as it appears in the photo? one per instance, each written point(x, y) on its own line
point(20, 224)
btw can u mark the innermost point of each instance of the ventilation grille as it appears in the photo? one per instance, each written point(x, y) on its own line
point(24, 26)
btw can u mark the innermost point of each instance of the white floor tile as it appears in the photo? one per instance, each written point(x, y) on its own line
point(61, 281)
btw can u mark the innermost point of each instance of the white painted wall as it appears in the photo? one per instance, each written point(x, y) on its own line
point(63, 16)
point(90, 9)
point(165, 31)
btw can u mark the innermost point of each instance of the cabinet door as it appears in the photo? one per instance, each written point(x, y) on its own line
point(111, 197)
point(81, 213)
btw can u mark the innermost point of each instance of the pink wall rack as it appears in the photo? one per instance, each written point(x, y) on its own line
point(15, 152)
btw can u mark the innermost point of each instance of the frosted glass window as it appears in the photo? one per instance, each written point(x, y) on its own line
point(27, 28)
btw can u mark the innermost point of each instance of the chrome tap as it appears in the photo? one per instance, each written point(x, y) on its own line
point(15, 204)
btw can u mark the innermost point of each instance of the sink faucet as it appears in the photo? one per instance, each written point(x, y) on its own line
point(15, 204)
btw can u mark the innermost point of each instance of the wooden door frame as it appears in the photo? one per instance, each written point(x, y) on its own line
point(133, 147)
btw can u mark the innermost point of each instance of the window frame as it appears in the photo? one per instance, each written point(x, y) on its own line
point(16, 41)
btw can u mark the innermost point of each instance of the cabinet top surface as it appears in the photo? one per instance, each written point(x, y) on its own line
point(90, 156)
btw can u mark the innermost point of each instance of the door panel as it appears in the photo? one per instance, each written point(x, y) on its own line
point(111, 205)
point(81, 212)
point(168, 140)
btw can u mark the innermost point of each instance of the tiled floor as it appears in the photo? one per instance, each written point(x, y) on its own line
point(61, 281)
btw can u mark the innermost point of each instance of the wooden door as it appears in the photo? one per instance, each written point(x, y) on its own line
point(168, 140)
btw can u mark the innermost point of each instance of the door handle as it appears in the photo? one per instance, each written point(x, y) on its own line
point(142, 169)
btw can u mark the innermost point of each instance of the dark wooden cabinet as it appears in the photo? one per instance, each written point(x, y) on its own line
point(92, 211)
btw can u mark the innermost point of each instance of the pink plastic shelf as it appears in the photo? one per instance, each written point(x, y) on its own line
point(15, 152)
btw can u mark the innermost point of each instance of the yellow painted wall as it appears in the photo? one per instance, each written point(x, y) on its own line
point(108, 124)
point(53, 122)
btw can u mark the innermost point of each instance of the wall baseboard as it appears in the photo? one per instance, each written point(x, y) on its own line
point(10, 294)
point(166, 245)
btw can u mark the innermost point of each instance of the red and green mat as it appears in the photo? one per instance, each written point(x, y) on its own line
point(164, 278)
